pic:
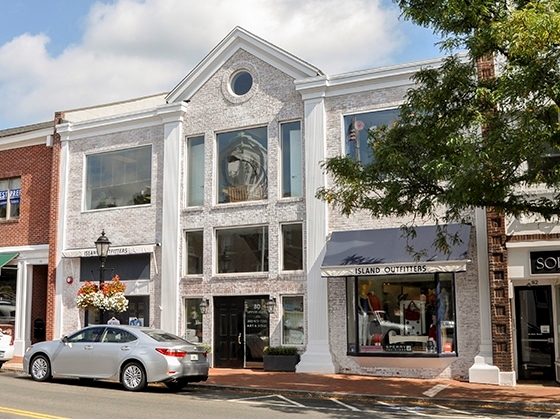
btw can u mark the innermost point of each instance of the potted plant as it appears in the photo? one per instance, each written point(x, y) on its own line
point(280, 358)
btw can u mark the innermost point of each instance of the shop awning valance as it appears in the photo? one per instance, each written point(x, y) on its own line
point(6, 257)
point(386, 252)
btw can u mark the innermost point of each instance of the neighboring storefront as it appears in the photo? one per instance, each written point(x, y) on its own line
point(534, 272)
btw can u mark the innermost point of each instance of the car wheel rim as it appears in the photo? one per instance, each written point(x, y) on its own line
point(133, 376)
point(39, 368)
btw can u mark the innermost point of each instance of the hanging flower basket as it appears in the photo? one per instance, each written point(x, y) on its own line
point(109, 297)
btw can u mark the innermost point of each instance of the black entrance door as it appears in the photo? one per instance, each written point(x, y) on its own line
point(535, 333)
point(228, 332)
point(241, 331)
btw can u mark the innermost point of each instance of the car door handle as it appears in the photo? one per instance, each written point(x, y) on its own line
point(125, 348)
point(239, 339)
point(88, 347)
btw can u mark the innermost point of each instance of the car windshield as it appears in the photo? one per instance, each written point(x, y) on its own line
point(162, 336)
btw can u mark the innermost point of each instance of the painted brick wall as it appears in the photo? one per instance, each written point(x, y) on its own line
point(213, 109)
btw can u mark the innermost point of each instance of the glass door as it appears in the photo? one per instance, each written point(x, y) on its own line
point(256, 331)
point(535, 333)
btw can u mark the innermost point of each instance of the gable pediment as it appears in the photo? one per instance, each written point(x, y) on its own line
point(240, 39)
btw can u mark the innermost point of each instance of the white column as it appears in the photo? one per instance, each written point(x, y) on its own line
point(317, 357)
point(484, 286)
point(170, 233)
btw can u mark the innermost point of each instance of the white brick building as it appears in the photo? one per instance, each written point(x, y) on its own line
point(207, 194)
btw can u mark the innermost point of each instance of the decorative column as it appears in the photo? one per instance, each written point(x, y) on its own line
point(317, 357)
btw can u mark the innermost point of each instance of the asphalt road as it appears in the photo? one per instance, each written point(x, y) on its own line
point(73, 399)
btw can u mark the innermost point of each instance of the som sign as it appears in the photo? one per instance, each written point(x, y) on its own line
point(545, 262)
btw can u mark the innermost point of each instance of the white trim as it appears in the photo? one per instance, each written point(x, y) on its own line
point(533, 244)
point(27, 139)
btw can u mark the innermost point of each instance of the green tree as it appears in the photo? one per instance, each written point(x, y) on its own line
point(462, 140)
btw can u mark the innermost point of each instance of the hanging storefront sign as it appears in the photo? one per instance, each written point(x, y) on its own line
point(545, 262)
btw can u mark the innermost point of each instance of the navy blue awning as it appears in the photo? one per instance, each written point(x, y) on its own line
point(386, 252)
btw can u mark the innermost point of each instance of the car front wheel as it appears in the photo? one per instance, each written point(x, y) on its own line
point(133, 377)
point(40, 368)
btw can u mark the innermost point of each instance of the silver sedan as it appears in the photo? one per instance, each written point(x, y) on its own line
point(133, 355)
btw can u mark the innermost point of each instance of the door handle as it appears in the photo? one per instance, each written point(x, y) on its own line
point(239, 339)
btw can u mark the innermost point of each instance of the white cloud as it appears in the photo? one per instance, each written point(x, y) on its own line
point(135, 48)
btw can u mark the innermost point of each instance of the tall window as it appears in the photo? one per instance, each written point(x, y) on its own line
point(193, 320)
point(119, 178)
point(292, 179)
point(195, 171)
point(194, 252)
point(10, 192)
point(293, 331)
point(292, 247)
point(242, 249)
point(243, 165)
point(357, 127)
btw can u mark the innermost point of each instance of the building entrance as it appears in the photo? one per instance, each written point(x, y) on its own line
point(535, 333)
point(241, 331)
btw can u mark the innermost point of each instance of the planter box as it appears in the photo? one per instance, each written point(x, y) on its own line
point(280, 362)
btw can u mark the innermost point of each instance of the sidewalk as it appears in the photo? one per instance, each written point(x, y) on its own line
point(543, 396)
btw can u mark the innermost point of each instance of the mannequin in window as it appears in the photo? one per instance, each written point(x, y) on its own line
point(443, 311)
point(364, 310)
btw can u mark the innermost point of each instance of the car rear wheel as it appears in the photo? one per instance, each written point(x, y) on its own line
point(133, 377)
point(176, 385)
point(40, 369)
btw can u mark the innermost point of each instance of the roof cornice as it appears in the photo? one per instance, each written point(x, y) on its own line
point(117, 123)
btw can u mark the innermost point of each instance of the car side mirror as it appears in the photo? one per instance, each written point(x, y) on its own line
point(64, 339)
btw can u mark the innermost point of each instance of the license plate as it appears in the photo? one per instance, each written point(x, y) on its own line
point(194, 357)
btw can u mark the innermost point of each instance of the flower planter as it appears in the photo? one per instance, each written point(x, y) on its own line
point(280, 362)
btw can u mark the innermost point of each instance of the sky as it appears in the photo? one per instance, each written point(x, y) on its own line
point(60, 55)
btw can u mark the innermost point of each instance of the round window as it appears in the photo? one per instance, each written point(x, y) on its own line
point(241, 83)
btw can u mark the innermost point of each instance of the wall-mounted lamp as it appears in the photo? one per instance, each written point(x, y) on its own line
point(204, 304)
point(271, 305)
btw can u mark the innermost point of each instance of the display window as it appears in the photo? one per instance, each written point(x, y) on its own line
point(401, 314)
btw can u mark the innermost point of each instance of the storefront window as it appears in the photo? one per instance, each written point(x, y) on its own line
point(193, 321)
point(401, 314)
point(292, 320)
point(8, 277)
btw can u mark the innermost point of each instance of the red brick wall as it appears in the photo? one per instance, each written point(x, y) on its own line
point(33, 164)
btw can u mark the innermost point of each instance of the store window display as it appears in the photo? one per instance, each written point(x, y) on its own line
point(402, 314)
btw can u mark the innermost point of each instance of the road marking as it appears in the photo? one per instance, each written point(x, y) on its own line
point(291, 403)
point(354, 409)
point(435, 390)
point(29, 414)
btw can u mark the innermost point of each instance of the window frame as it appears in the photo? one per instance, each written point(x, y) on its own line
point(373, 348)
point(282, 247)
point(143, 197)
point(12, 194)
point(200, 234)
point(192, 172)
point(286, 175)
point(227, 143)
point(362, 133)
point(288, 328)
point(223, 250)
